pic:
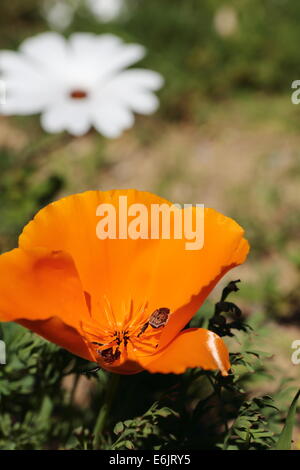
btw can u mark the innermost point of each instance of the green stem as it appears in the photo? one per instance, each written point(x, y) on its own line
point(111, 388)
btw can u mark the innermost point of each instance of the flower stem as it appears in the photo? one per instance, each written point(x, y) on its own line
point(111, 388)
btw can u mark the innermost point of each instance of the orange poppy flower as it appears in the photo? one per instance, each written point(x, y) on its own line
point(121, 303)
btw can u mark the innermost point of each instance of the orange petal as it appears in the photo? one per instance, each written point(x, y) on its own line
point(107, 268)
point(57, 332)
point(161, 273)
point(184, 278)
point(39, 285)
point(195, 347)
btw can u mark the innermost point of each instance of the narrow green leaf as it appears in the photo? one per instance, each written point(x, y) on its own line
point(285, 439)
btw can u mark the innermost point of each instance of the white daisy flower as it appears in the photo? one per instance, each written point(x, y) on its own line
point(226, 21)
point(78, 83)
point(106, 10)
point(59, 14)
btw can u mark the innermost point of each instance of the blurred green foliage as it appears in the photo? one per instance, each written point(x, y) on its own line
point(20, 196)
point(210, 52)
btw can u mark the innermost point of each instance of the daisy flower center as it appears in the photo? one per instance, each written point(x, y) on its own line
point(78, 94)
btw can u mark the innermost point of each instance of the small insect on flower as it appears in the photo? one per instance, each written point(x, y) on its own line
point(121, 303)
point(79, 83)
point(158, 319)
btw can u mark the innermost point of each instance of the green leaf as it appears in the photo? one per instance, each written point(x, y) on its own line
point(129, 445)
point(119, 427)
point(285, 439)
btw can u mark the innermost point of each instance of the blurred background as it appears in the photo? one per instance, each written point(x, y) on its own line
point(226, 135)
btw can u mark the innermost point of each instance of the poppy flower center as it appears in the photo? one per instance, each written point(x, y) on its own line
point(78, 94)
point(141, 335)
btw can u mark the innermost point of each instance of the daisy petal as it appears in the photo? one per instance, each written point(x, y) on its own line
point(14, 63)
point(133, 89)
point(101, 56)
point(195, 347)
point(112, 120)
point(28, 89)
point(83, 44)
point(19, 73)
point(67, 116)
point(48, 49)
point(138, 78)
point(124, 56)
point(23, 104)
point(142, 102)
